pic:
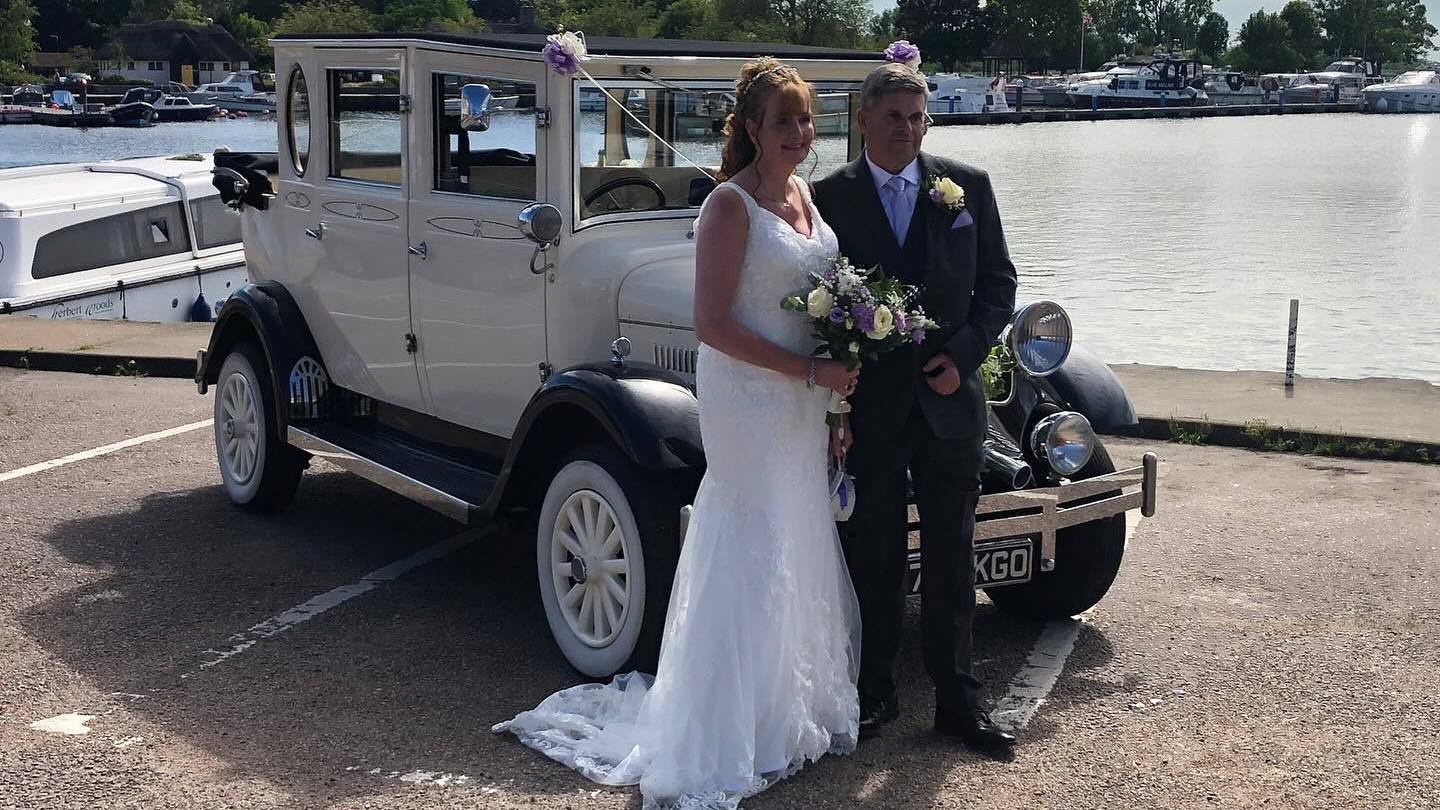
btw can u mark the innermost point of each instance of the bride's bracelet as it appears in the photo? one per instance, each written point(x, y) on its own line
point(810, 380)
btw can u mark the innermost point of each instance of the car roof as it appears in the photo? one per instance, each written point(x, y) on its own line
point(611, 46)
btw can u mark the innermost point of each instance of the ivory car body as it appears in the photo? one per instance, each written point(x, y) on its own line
point(474, 281)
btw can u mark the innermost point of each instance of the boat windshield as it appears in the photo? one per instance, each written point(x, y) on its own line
point(623, 169)
point(1416, 77)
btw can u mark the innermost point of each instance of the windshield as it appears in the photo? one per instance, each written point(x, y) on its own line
point(624, 169)
point(1416, 77)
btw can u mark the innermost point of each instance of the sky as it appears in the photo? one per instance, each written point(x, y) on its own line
point(1236, 12)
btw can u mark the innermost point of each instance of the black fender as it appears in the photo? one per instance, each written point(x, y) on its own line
point(648, 412)
point(1085, 384)
point(267, 311)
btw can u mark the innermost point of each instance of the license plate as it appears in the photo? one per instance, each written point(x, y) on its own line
point(1002, 562)
point(1006, 562)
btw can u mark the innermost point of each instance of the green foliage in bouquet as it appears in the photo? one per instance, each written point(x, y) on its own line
point(860, 314)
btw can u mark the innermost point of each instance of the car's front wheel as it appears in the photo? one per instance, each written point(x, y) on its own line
point(1087, 559)
point(260, 471)
point(606, 546)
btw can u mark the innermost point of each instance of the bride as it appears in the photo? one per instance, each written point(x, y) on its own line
point(760, 653)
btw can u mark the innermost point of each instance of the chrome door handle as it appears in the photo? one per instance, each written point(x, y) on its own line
point(422, 250)
point(317, 232)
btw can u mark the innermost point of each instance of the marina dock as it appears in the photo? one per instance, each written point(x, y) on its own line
point(1030, 115)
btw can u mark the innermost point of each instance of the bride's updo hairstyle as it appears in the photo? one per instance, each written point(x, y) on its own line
point(758, 81)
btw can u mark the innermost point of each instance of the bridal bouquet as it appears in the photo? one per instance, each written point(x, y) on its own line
point(859, 314)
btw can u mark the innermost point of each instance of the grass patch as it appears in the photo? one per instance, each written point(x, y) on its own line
point(1190, 433)
point(130, 368)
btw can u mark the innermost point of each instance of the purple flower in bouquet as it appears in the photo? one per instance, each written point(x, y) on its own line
point(864, 315)
point(917, 335)
point(901, 325)
point(564, 52)
point(904, 53)
point(837, 315)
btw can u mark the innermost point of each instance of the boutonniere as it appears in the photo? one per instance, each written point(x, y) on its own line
point(946, 193)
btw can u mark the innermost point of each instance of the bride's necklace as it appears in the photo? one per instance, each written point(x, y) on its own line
point(785, 203)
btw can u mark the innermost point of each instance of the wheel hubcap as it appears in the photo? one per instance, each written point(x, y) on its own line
point(240, 430)
point(590, 568)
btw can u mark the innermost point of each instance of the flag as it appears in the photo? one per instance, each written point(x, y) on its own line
point(1086, 19)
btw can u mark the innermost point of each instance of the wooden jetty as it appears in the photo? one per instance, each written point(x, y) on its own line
point(1041, 114)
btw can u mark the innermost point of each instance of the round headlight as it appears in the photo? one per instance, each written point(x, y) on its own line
point(1065, 440)
point(1040, 337)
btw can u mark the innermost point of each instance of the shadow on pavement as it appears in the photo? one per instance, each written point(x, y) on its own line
point(409, 677)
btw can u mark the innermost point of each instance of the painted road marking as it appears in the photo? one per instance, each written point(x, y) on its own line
point(305, 611)
point(64, 724)
point(100, 451)
point(1032, 684)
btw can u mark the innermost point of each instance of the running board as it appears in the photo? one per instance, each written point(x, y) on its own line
point(462, 501)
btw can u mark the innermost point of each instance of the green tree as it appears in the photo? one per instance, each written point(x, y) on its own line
point(1214, 35)
point(325, 16)
point(1165, 22)
point(252, 34)
point(600, 18)
point(1385, 30)
point(186, 11)
point(17, 39)
point(681, 19)
point(883, 29)
point(1264, 45)
point(1050, 27)
point(822, 22)
point(1304, 24)
point(453, 16)
point(948, 32)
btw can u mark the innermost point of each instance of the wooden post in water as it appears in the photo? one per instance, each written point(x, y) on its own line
point(1290, 344)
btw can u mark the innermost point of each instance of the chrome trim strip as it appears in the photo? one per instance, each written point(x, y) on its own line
point(399, 483)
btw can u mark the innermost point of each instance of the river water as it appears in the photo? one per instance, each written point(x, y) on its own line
point(1172, 242)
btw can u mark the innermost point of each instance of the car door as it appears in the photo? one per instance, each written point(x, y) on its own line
point(479, 310)
point(361, 278)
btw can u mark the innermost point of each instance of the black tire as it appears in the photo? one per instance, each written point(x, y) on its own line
point(1087, 559)
point(645, 508)
point(264, 477)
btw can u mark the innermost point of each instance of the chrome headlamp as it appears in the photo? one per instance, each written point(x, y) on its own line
point(1040, 337)
point(1065, 440)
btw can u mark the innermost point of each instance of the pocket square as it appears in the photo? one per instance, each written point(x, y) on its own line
point(963, 221)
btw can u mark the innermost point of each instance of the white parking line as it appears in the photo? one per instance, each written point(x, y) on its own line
point(100, 451)
point(1032, 684)
point(305, 611)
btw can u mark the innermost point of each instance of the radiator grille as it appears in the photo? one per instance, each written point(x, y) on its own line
point(675, 358)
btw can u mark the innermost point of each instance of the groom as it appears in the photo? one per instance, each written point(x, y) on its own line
point(920, 408)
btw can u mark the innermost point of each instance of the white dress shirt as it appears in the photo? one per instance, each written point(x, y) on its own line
point(897, 193)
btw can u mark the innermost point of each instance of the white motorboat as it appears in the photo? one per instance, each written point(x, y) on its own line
point(1227, 88)
point(952, 93)
point(1341, 80)
point(1162, 81)
point(146, 239)
point(236, 93)
point(1412, 91)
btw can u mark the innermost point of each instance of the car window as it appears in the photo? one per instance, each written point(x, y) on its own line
point(624, 169)
point(366, 131)
point(495, 156)
point(298, 117)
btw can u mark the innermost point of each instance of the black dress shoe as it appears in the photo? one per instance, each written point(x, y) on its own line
point(874, 714)
point(974, 726)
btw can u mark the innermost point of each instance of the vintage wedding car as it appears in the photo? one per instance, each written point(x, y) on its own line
point(472, 285)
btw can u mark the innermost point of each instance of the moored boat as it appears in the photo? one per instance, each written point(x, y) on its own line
point(1163, 81)
point(170, 108)
point(1412, 91)
point(145, 239)
point(951, 93)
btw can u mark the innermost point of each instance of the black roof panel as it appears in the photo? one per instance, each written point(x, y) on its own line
point(619, 46)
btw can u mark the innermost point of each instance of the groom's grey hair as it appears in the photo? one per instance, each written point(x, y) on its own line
point(891, 77)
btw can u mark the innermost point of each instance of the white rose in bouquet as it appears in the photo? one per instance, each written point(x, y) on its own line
point(819, 303)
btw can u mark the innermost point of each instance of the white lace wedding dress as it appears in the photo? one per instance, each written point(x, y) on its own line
point(761, 647)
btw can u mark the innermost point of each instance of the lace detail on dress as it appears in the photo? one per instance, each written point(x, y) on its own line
point(762, 638)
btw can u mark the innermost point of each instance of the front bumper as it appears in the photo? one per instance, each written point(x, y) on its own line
point(1045, 511)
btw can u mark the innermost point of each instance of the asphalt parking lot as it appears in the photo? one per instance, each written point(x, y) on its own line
point(1273, 641)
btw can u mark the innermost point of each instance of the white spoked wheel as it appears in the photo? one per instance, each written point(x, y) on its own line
point(605, 549)
point(590, 568)
point(260, 472)
point(237, 428)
